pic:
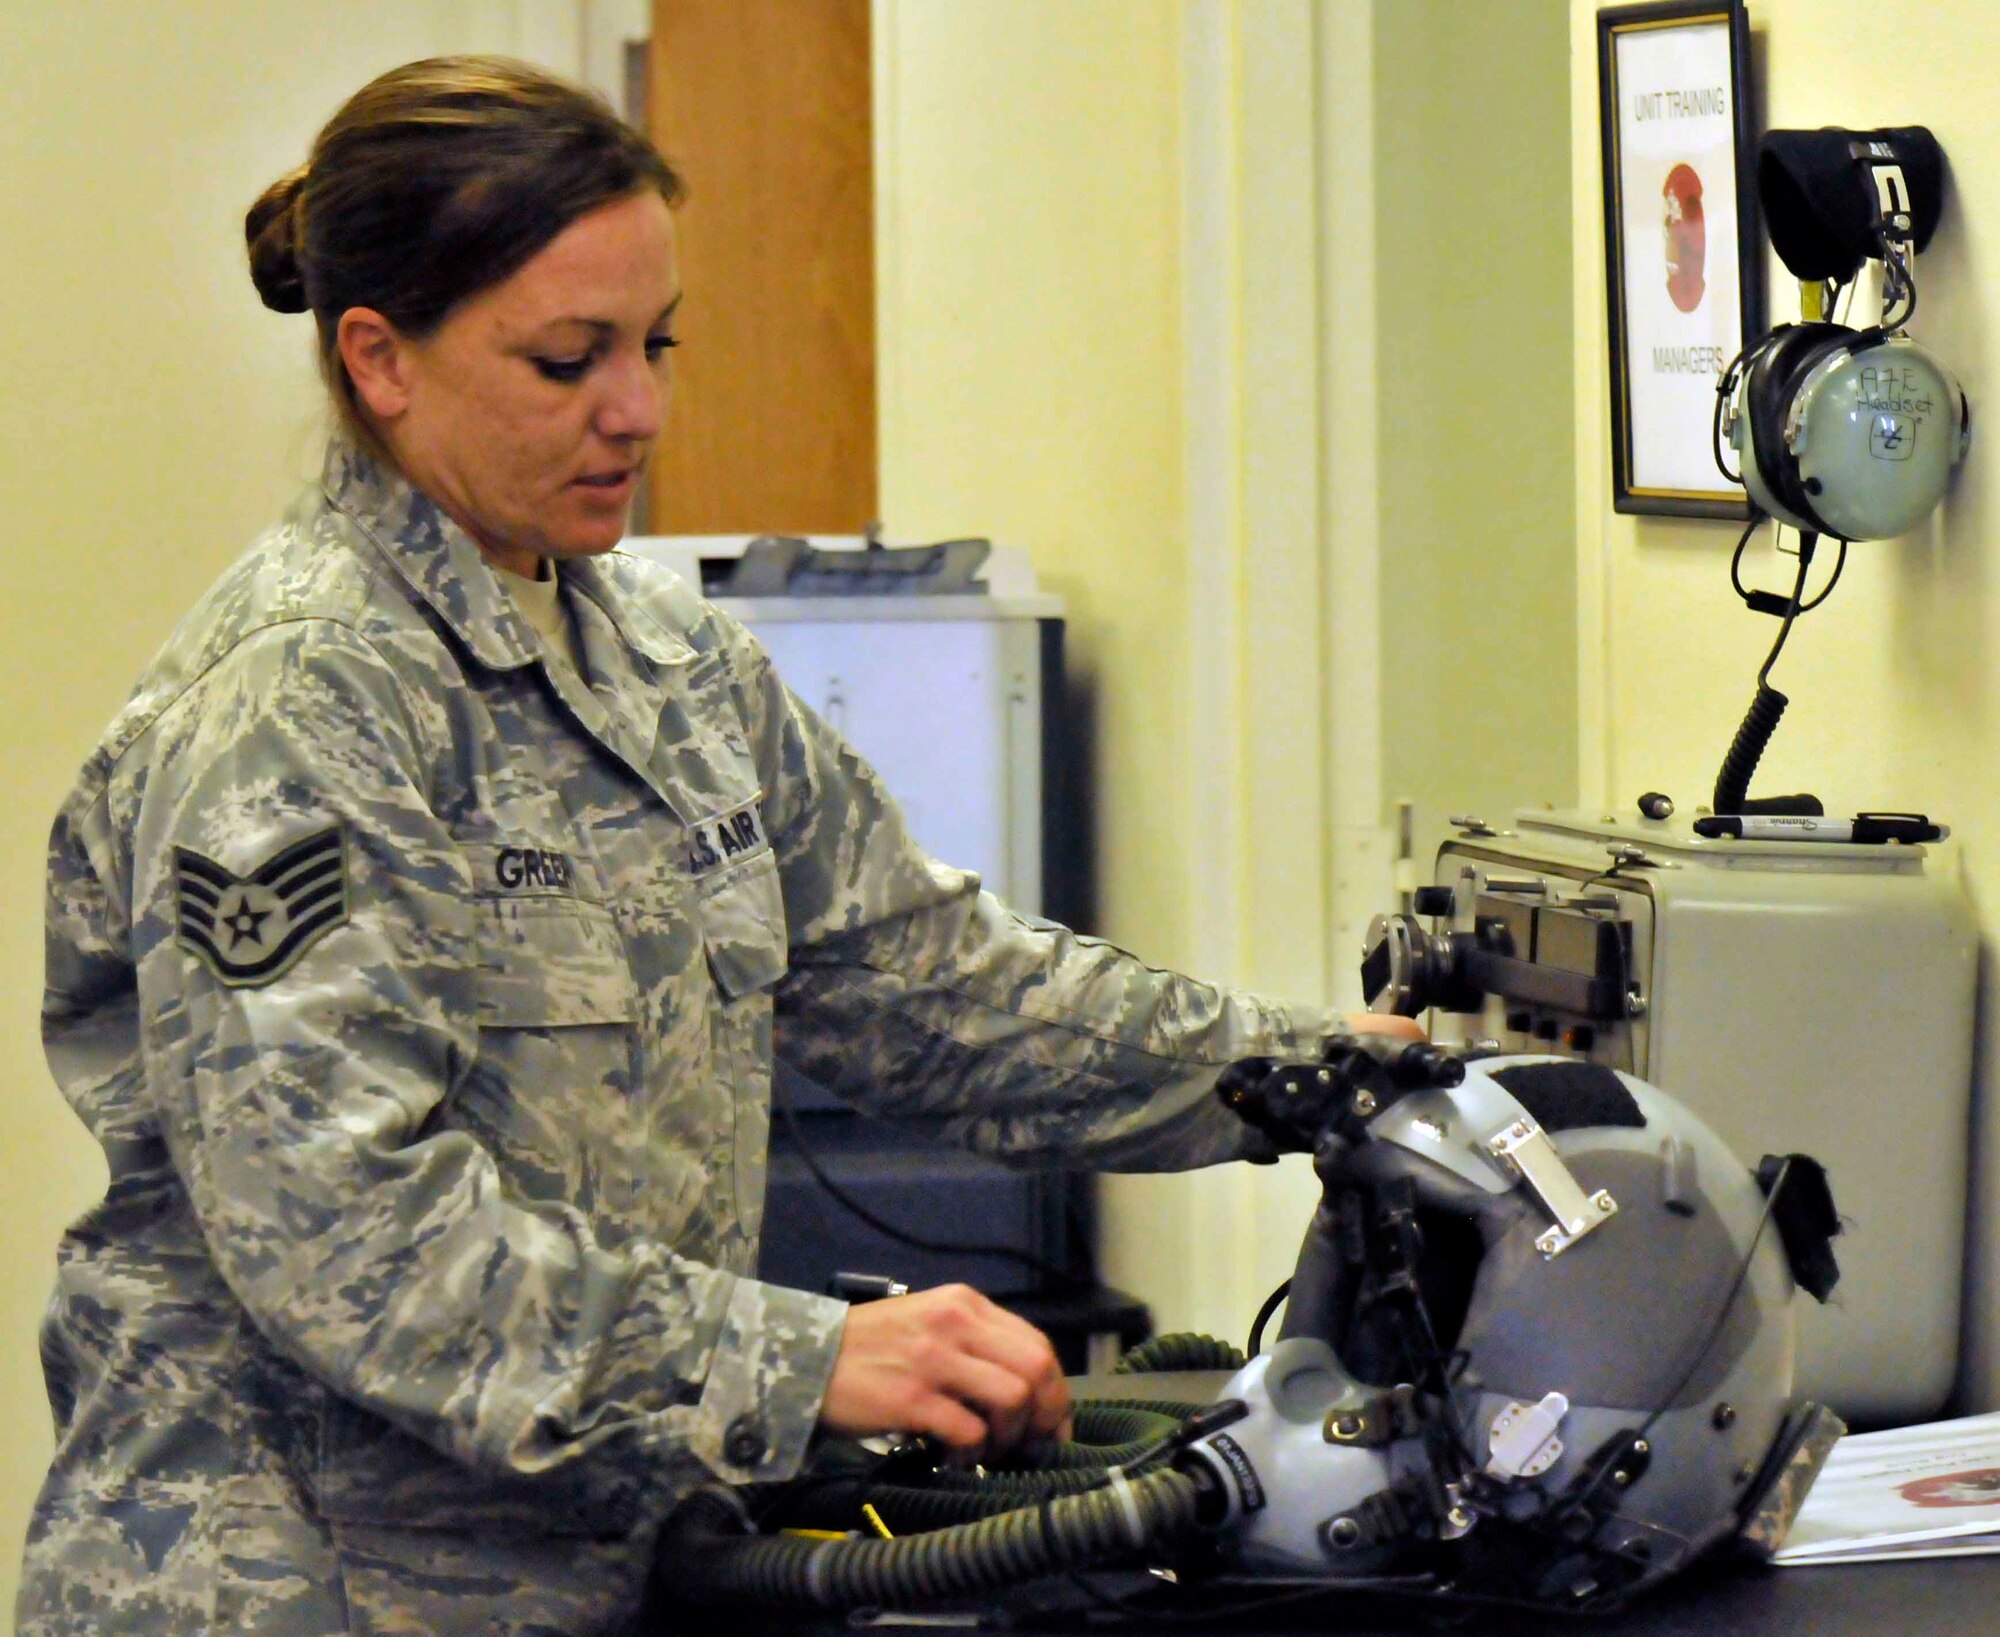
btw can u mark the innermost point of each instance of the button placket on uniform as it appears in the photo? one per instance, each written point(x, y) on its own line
point(703, 757)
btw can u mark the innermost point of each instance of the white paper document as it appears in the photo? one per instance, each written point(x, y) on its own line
point(1930, 1491)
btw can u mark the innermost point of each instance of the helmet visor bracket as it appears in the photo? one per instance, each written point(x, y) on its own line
point(1524, 1147)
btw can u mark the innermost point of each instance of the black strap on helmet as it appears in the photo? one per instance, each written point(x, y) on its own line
point(1802, 1206)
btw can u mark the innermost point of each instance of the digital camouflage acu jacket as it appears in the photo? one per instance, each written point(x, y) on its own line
point(422, 996)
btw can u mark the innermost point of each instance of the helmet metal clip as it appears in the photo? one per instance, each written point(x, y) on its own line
point(1524, 1148)
point(1522, 1442)
point(1380, 1419)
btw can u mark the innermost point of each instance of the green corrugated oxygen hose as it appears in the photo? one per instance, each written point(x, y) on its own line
point(1181, 1352)
point(957, 1534)
point(704, 1555)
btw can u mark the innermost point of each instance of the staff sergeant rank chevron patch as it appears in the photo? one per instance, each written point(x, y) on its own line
point(249, 929)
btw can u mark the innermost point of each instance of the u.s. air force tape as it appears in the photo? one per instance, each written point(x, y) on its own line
point(726, 837)
point(249, 929)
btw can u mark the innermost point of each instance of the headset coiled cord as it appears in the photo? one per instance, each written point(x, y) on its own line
point(1746, 750)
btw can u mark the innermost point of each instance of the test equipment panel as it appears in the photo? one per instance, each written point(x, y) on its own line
point(1799, 996)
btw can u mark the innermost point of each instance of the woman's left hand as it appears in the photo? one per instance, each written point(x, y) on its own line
point(1404, 1028)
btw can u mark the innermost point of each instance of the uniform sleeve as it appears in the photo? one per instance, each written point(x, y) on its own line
point(918, 996)
point(306, 1083)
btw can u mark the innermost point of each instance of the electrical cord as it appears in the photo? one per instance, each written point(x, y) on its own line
point(1736, 557)
point(1149, 1616)
point(1725, 385)
point(1793, 608)
point(1728, 1302)
point(1767, 708)
point(1764, 602)
point(1832, 580)
point(1898, 283)
point(1271, 1303)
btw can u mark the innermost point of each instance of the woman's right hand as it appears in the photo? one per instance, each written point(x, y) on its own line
point(951, 1364)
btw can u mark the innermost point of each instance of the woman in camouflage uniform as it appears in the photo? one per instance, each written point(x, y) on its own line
point(418, 946)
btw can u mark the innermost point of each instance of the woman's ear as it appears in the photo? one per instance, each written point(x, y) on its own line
point(377, 360)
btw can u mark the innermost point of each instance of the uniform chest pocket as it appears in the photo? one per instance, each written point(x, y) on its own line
point(743, 926)
point(551, 963)
point(550, 1095)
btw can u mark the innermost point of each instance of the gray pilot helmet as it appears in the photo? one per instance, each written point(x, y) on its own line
point(1540, 1347)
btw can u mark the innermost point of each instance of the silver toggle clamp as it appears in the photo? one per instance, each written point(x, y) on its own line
point(1524, 1148)
point(1522, 1441)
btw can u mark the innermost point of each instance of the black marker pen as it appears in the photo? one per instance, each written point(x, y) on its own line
point(1866, 828)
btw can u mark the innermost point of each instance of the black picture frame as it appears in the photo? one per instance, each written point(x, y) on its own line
point(1661, 436)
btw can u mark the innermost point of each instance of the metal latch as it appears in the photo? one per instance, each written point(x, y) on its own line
point(1380, 1419)
point(1525, 1149)
point(1522, 1441)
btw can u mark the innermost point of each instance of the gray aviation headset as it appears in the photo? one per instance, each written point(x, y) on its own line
point(1843, 433)
point(1850, 434)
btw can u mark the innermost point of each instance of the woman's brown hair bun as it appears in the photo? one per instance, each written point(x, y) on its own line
point(271, 228)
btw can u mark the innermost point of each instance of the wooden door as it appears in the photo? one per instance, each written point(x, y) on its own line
point(764, 107)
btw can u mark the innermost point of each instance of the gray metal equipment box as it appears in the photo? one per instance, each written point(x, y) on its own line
point(945, 697)
point(1800, 997)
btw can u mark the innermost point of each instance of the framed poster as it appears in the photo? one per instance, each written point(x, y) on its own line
point(1681, 245)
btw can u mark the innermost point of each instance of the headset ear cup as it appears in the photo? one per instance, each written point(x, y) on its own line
point(1773, 378)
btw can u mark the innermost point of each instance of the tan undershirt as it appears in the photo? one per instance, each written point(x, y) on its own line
point(541, 605)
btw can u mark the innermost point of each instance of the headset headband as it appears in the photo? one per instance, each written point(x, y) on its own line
point(1832, 197)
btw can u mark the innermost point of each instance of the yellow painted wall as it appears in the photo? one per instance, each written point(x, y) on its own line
point(1029, 221)
point(1894, 682)
point(156, 417)
point(1033, 178)
point(1473, 389)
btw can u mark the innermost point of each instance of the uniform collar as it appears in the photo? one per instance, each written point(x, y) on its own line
point(445, 567)
point(599, 579)
point(442, 563)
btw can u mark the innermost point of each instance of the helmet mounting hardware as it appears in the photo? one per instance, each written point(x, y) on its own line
point(1525, 1149)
